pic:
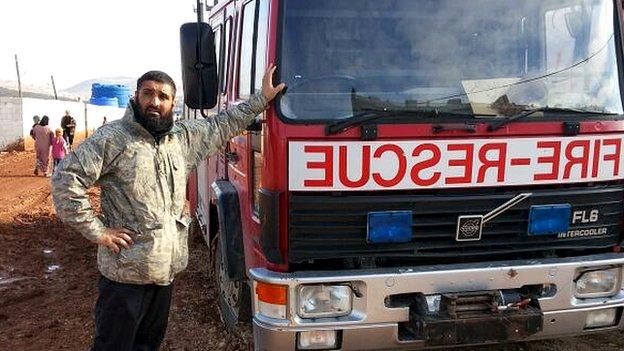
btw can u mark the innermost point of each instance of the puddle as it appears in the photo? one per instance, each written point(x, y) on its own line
point(47, 251)
point(5, 272)
point(53, 267)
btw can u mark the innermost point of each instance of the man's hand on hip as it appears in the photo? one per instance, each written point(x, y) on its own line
point(115, 239)
point(268, 89)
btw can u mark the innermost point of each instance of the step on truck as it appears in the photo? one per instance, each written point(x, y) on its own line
point(437, 172)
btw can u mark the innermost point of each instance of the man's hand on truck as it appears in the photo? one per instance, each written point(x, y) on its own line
point(268, 90)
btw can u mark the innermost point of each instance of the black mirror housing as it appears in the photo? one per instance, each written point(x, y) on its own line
point(199, 65)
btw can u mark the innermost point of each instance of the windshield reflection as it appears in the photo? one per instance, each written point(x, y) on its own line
point(487, 57)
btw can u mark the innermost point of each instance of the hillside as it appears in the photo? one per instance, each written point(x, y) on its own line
point(9, 88)
point(83, 89)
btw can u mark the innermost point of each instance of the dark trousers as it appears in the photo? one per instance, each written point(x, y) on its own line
point(69, 138)
point(130, 317)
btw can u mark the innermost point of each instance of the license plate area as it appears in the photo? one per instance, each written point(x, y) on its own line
point(473, 318)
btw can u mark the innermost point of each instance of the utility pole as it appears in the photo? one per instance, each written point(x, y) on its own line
point(86, 117)
point(19, 80)
point(54, 87)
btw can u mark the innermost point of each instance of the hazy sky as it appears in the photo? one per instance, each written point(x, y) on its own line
point(76, 40)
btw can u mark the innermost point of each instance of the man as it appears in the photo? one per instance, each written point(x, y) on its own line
point(68, 123)
point(141, 164)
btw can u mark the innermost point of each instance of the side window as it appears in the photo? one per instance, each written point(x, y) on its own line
point(226, 53)
point(247, 45)
point(261, 43)
point(217, 38)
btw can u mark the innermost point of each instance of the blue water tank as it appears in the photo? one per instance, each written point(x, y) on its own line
point(117, 91)
point(104, 101)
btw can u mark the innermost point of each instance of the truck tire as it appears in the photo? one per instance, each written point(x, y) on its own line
point(233, 297)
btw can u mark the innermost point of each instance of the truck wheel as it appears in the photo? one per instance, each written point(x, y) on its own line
point(234, 297)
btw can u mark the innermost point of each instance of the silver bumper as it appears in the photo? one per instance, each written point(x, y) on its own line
point(373, 326)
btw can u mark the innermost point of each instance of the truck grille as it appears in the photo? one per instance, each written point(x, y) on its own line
point(326, 225)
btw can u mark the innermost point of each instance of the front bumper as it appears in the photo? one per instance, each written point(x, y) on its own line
point(373, 326)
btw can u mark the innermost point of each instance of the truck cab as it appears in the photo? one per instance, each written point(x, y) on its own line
point(437, 173)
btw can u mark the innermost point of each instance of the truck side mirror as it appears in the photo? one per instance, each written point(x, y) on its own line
point(199, 65)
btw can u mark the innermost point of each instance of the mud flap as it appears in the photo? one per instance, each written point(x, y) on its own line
point(231, 234)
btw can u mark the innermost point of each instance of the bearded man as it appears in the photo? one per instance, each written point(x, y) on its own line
point(141, 164)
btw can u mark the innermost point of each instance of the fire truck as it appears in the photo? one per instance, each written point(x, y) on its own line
point(437, 172)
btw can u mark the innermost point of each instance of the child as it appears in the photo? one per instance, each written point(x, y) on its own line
point(59, 147)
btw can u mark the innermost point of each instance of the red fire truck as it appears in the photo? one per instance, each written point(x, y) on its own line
point(437, 173)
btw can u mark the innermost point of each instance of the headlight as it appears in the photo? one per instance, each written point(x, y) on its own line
point(317, 301)
point(598, 283)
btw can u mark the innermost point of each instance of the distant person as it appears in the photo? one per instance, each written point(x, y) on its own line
point(59, 147)
point(43, 141)
point(104, 120)
point(142, 236)
point(68, 123)
point(36, 121)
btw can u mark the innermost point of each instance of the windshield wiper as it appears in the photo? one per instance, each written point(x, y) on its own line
point(371, 114)
point(358, 118)
point(500, 123)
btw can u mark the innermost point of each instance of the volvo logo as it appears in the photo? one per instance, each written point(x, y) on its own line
point(469, 228)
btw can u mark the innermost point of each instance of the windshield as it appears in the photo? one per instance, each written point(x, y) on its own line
point(482, 57)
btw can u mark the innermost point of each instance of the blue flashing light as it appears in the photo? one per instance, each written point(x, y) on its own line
point(549, 219)
point(389, 227)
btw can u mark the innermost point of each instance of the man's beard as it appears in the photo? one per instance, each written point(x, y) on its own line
point(156, 125)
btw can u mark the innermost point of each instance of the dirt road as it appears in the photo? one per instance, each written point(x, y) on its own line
point(48, 282)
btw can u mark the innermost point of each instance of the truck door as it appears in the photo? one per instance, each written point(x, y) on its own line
point(253, 19)
point(237, 152)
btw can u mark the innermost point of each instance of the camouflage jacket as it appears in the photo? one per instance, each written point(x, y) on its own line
point(143, 188)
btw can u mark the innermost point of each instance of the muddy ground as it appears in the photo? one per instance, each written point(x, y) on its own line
point(48, 282)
